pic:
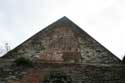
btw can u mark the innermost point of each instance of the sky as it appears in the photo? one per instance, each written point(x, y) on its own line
point(104, 20)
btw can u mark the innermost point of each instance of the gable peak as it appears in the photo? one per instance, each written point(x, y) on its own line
point(64, 19)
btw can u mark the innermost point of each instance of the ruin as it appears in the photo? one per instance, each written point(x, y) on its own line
point(61, 53)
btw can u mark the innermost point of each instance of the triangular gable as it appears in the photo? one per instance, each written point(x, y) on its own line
point(63, 41)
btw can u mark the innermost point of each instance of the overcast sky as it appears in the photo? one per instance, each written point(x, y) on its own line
point(102, 19)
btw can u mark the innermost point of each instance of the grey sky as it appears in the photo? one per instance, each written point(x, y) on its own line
point(102, 19)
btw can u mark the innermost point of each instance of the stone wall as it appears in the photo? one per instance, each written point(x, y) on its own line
point(63, 41)
point(9, 72)
point(72, 73)
point(63, 73)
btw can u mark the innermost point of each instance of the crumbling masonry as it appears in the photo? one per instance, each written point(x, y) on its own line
point(62, 53)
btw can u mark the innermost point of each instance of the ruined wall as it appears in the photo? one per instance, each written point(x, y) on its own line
point(9, 73)
point(71, 73)
point(63, 45)
point(62, 53)
point(65, 73)
point(63, 41)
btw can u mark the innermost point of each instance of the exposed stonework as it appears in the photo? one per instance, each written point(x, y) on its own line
point(63, 41)
point(66, 73)
point(61, 53)
point(9, 73)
